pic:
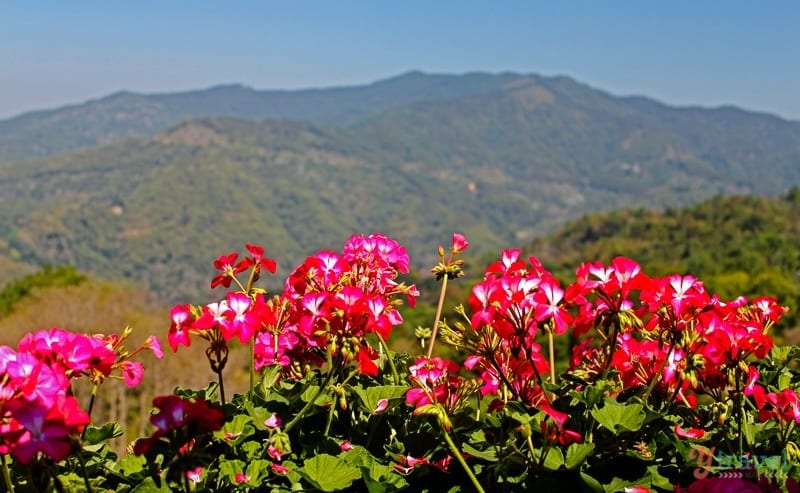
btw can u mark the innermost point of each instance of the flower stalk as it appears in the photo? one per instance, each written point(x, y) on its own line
point(6, 474)
point(461, 460)
point(437, 317)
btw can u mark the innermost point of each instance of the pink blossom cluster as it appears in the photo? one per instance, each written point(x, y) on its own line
point(240, 315)
point(667, 330)
point(434, 381)
point(38, 414)
point(334, 300)
point(666, 334)
point(783, 406)
point(329, 305)
point(509, 307)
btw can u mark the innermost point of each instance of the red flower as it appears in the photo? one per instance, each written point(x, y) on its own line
point(192, 417)
point(689, 432)
point(227, 265)
point(182, 321)
point(258, 259)
point(34, 428)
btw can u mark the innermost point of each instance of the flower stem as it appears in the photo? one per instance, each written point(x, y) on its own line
point(740, 409)
point(613, 347)
point(552, 355)
point(7, 475)
point(89, 410)
point(221, 387)
point(310, 403)
point(83, 470)
point(250, 280)
point(657, 376)
point(461, 461)
point(252, 363)
point(395, 376)
point(437, 317)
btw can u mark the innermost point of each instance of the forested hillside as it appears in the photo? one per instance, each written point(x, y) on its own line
point(501, 158)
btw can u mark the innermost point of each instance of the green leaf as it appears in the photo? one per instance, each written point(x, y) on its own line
point(577, 453)
point(370, 396)
point(553, 459)
point(330, 473)
point(131, 464)
point(97, 434)
point(257, 470)
point(310, 393)
point(239, 429)
point(781, 353)
point(616, 485)
point(784, 380)
point(592, 483)
point(378, 477)
point(619, 417)
point(489, 454)
point(150, 486)
point(230, 468)
point(657, 479)
point(270, 376)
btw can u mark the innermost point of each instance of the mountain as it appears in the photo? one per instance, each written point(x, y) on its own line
point(159, 210)
point(500, 158)
point(126, 114)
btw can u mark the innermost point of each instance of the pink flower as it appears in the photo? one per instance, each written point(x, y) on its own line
point(406, 463)
point(175, 413)
point(548, 296)
point(195, 474)
point(239, 321)
point(346, 446)
point(132, 373)
point(34, 428)
point(460, 243)
point(182, 320)
point(274, 452)
point(381, 406)
point(723, 485)
point(227, 265)
point(273, 421)
point(241, 478)
point(152, 343)
point(279, 468)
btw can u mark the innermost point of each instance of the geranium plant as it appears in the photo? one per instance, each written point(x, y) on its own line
point(669, 387)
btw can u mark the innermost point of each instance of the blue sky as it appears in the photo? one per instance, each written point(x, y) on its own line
point(708, 53)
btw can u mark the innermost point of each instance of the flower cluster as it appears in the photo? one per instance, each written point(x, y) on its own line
point(332, 302)
point(240, 315)
point(38, 414)
point(329, 305)
point(509, 308)
point(666, 333)
point(437, 388)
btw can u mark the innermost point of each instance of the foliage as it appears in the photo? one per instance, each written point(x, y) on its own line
point(507, 157)
point(13, 292)
point(669, 385)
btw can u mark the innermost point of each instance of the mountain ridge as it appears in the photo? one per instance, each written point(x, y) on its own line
point(126, 113)
point(502, 165)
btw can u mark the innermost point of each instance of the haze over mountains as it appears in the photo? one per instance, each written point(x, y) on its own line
point(153, 188)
